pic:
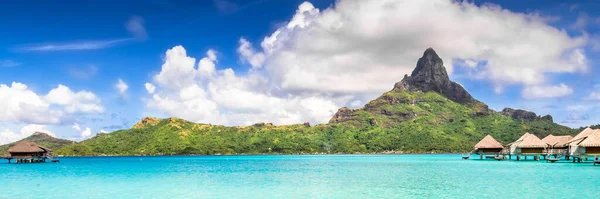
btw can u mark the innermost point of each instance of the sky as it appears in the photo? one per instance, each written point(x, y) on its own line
point(73, 69)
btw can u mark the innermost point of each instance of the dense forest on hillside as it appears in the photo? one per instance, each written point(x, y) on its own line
point(442, 126)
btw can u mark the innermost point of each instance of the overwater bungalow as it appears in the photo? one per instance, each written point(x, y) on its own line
point(29, 152)
point(578, 151)
point(587, 145)
point(557, 146)
point(488, 146)
point(528, 145)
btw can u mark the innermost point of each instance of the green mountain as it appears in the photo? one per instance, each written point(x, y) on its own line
point(39, 138)
point(425, 112)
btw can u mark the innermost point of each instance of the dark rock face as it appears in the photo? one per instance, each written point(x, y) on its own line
point(430, 75)
point(341, 115)
point(519, 114)
point(548, 117)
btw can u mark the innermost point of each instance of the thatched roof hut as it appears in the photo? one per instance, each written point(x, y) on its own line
point(488, 145)
point(528, 144)
point(531, 141)
point(27, 147)
point(581, 136)
point(488, 142)
point(592, 140)
point(557, 141)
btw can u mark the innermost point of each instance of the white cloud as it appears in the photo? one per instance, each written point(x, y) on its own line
point(76, 127)
point(226, 98)
point(150, 88)
point(76, 45)
point(74, 102)
point(103, 131)
point(366, 46)
point(135, 26)
point(86, 133)
point(121, 86)
point(178, 70)
point(20, 104)
point(206, 66)
point(248, 54)
point(535, 92)
point(8, 136)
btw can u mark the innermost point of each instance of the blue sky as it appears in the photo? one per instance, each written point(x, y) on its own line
point(89, 47)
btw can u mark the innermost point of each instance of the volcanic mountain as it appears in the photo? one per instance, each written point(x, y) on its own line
point(424, 112)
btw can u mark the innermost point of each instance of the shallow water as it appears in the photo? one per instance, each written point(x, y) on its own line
point(319, 176)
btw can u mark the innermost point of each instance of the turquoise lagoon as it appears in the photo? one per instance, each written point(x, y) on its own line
point(298, 176)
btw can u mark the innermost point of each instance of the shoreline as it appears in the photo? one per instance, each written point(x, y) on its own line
point(263, 154)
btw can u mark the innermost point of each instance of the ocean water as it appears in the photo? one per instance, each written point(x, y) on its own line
point(291, 176)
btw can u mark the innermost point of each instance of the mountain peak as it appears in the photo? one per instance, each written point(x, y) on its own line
point(430, 75)
point(41, 134)
point(430, 67)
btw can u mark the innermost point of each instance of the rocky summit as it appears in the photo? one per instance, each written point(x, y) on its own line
point(430, 75)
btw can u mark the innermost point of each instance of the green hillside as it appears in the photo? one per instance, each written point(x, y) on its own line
point(432, 124)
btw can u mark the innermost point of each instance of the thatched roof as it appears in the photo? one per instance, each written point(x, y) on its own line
point(529, 140)
point(592, 140)
point(27, 147)
point(488, 142)
point(581, 136)
point(557, 141)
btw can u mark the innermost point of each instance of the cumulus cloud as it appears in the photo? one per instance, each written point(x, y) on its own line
point(20, 104)
point(74, 102)
point(535, 92)
point(248, 54)
point(8, 136)
point(86, 133)
point(121, 86)
point(353, 51)
point(366, 46)
point(188, 91)
point(150, 88)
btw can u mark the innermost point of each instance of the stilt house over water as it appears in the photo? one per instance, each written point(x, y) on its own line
point(589, 146)
point(557, 145)
point(576, 149)
point(488, 146)
point(29, 152)
point(528, 145)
